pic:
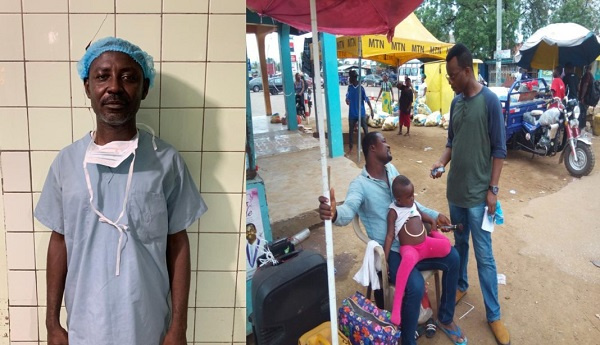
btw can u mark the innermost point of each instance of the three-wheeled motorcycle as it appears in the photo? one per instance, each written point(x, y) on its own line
point(544, 125)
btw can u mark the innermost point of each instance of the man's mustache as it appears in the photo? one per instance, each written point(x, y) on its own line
point(114, 100)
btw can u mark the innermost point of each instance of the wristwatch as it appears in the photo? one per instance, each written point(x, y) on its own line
point(494, 189)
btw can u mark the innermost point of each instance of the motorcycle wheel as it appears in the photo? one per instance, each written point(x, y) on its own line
point(585, 160)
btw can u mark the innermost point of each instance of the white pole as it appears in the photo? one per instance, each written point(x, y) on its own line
point(498, 40)
point(324, 178)
point(358, 146)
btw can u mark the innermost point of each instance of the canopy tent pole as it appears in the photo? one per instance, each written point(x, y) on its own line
point(358, 145)
point(324, 175)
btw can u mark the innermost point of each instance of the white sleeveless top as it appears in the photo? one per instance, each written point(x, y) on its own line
point(403, 214)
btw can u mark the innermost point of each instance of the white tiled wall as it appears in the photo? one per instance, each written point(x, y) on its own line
point(197, 104)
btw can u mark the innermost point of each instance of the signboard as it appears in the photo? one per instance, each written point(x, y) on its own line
point(502, 54)
point(255, 235)
point(270, 68)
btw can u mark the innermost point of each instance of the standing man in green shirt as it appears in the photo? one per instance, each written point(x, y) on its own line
point(477, 148)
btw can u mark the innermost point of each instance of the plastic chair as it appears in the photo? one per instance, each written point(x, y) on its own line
point(387, 286)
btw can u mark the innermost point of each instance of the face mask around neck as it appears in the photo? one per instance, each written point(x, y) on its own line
point(111, 154)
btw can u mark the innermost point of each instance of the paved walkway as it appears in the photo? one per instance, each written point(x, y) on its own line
point(293, 181)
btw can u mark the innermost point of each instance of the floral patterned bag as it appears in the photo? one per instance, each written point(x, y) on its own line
point(364, 324)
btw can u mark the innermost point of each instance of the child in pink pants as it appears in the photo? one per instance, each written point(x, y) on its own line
point(405, 221)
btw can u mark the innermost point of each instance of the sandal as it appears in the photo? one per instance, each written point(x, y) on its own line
point(452, 333)
point(430, 328)
point(420, 331)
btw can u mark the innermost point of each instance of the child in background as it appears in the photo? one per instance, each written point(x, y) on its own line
point(406, 222)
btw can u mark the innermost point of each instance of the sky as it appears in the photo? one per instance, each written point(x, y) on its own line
point(272, 46)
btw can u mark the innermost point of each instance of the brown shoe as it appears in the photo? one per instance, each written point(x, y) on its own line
point(459, 295)
point(500, 332)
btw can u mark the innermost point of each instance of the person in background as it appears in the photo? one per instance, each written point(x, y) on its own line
point(299, 88)
point(524, 74)
point(584, 87)
point(406, 94)
point(355, 109)
point(386, 94)
point(118, 202)
point(476, 149)
point(571, 81)
point(557, 87)
point(423, 87)
point(369, 196)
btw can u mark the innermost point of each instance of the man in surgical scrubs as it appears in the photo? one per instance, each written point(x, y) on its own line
point(118, 202)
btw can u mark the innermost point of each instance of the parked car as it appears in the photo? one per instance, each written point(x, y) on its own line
point(275, 85)
point(371, 80)
point(255, 84)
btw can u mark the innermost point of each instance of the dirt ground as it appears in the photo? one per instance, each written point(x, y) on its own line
point(552, 291)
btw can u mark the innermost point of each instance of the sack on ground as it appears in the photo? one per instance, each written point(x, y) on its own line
point(376, 121)
point(390, 123)
point(363, 323)
point(422, 108)
point(419, 119)
point(433, 119)
point(445, 120)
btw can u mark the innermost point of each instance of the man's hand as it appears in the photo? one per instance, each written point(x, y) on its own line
point(347, 101)
point(442, 220)
point(437, 174)
point(58, 336)
point(490, 200)
point(327, 211)
point(175, 338)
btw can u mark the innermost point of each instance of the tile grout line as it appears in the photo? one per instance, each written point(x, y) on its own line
point(28, 145)
point(202, 155)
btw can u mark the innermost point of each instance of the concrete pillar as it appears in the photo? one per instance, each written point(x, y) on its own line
point(332, 95)
point(288, 76)
point(260, 40)
point(250, 151)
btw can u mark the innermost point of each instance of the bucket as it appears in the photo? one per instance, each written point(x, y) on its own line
point(596, 124)
point(321, 335)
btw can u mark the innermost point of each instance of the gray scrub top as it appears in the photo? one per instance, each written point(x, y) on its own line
point(132, 308)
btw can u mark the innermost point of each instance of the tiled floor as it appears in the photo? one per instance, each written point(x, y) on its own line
point(274, 138)
point(293, 181)
point(282, 141)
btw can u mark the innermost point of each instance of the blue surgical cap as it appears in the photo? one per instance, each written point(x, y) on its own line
point(114, 44)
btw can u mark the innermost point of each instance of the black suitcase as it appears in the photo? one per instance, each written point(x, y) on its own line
point(289, 299)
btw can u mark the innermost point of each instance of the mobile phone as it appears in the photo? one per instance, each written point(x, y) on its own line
point(436, 170)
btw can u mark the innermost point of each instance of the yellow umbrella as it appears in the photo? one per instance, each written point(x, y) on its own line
point(411, 41)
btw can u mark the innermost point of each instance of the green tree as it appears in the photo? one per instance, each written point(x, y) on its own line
point(582, 12)
point(537, 13)
point(472, 22)
point(438, 17)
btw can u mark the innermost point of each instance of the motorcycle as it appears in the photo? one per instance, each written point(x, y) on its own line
point(555, 130)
